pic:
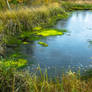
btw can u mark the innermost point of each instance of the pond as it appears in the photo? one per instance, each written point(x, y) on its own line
point(73, 50)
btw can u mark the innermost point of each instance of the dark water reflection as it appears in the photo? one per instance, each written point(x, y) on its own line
point(72, 50)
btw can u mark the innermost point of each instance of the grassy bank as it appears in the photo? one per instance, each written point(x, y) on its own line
point(14, 22)
point(19, 81)
point(69, 6)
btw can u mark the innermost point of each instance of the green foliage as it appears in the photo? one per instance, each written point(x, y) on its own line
point(3, 4)
point(49, 32)
point(12, 80)
point(23, 23)
point(25, 43)
point(14, 63)
point(76, 6)
point(37, 28)
point(27, 19)
point(29, 23)
point(13, 40)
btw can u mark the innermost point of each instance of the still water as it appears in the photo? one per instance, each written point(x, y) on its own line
point(73, 50)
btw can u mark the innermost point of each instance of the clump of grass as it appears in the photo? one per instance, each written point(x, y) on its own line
point(13, 81)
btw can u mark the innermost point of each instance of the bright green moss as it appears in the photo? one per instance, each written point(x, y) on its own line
point(43, 44)
point(50, 32)
point(25, 43)
point(19, 63)
point(36, 35)
point(37, 28)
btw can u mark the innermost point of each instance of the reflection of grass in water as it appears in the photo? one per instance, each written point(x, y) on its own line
point(90, 43)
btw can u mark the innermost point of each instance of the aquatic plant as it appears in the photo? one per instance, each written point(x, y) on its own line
point(25, 42)
point(43, 44)
point(50, 32)
point(14, 63)
point(37, 28)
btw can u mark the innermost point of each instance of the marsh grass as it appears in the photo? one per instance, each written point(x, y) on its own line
point(3, 4)
point(21, 81)
point(26, 18)
point(14, 63)
point(77, 5)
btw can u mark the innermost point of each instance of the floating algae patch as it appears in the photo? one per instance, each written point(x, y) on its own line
point(50, 32)
point(43, 44)
point(14, 63)
point(37, 28)
point(38, 32)
point(25, 43)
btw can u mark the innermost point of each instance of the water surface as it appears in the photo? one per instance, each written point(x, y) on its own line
point(71, 50)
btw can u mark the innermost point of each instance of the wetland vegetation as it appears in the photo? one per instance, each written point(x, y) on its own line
point(24, 23)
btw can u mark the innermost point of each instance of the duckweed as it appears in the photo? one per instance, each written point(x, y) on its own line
point(43, 44)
